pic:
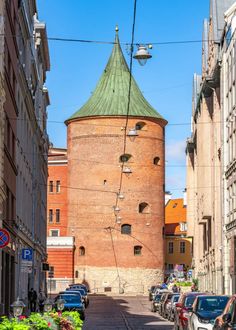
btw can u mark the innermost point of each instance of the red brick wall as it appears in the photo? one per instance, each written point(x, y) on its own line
point(62, 261)
point(58, 200)
point(94, 148)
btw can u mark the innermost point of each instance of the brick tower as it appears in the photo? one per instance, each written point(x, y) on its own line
point(122, 252)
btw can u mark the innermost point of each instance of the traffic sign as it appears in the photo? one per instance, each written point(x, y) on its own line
point(27, 254)
point(4, 238)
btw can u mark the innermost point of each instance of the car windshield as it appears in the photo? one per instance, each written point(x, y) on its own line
point(211, 304)
point(157, 297)
point(189, 301)
point(175, 298)
point(70, 298)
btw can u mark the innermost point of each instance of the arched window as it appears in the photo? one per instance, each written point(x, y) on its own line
point(82, 251)
point(137, 250)
point(126, 229)
point(139, 125)
point(125, 158)
point(156, 161)
point(143, 208)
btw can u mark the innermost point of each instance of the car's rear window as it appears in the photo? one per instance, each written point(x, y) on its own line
point(189, 301)
point(69, 298)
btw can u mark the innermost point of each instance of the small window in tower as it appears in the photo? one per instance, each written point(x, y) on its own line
point(58, 215)
point(156, 161)
point(82, 251)
point(139, 126)
point(50, 216)
point(125, 158)
point(54, 232)
point(137, 250)
point(76, 274)
point(126, 229)
point(144, 208)
point(50, 186)
point(58, 186)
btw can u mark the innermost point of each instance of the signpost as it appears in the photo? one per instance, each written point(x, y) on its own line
point(27, 260)
point(50, 276)
point(4, 238)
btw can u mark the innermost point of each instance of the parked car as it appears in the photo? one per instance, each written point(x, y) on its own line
point(79, 285)
point(205, 310)
point(182, 309)
point(166, 301)
point(227, 320)
point(152, 291)
point(162, 301)
point(75, 292)
point(156, 302)
point(83, 293)
point(170, 306)
point(73, 302)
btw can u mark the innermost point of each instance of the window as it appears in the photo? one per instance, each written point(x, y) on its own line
point(50, 216)
point(54, 232)
point(156, 161)
point(170, 267)
point(143, 208)
point(182, 247)
point(171, 247)
point(137, 250)
point(126, 229)
point(183, 226)
point(50, 186)
point(58, 215)
point(139, 125)
point(124, 158)
point(82, 251)
point(58, 186)
point(76, 274)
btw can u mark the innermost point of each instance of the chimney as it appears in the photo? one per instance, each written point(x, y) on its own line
point(185, 197)
point(168, 195)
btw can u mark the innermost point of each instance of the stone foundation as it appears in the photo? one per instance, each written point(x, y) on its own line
point(111, 280)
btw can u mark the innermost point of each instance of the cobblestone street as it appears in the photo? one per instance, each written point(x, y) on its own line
point(132, 313)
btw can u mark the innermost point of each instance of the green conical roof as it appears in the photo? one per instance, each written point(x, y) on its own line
point(110, 97)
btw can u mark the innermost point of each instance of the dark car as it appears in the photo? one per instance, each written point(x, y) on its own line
point(156, 302)
point(170, 306)
point(80, 284)
point(227, 320)
point(73, 302)
point(152, 290)
point(205, 310)
point(82, 290)
point(182, 309)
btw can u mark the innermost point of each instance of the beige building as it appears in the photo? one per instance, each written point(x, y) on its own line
point(204, 158)
point(229, 149)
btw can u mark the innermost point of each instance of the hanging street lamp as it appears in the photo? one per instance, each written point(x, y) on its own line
point(142, 54)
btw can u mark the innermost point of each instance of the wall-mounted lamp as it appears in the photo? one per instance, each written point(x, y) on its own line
point(132, 134)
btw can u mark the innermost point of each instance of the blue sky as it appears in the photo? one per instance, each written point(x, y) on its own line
point(166, 80)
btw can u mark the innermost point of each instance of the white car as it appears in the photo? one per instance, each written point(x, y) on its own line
point(205, 310)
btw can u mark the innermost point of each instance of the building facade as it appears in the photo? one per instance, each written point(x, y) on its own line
point(178, 246)
point(116, 209)
point(26, 60)
point(60, 247)
point(229, 149)
point(204, 158)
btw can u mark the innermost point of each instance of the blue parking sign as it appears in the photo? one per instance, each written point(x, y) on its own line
point(27, 254)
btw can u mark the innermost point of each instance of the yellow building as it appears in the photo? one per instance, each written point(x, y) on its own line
point(178, 247)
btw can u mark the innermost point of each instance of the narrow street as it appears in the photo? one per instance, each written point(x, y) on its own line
point(109, 313)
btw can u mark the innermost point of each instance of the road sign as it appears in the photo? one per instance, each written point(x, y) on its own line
point(4, 238)
point(26, 268)
point(27, 254)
